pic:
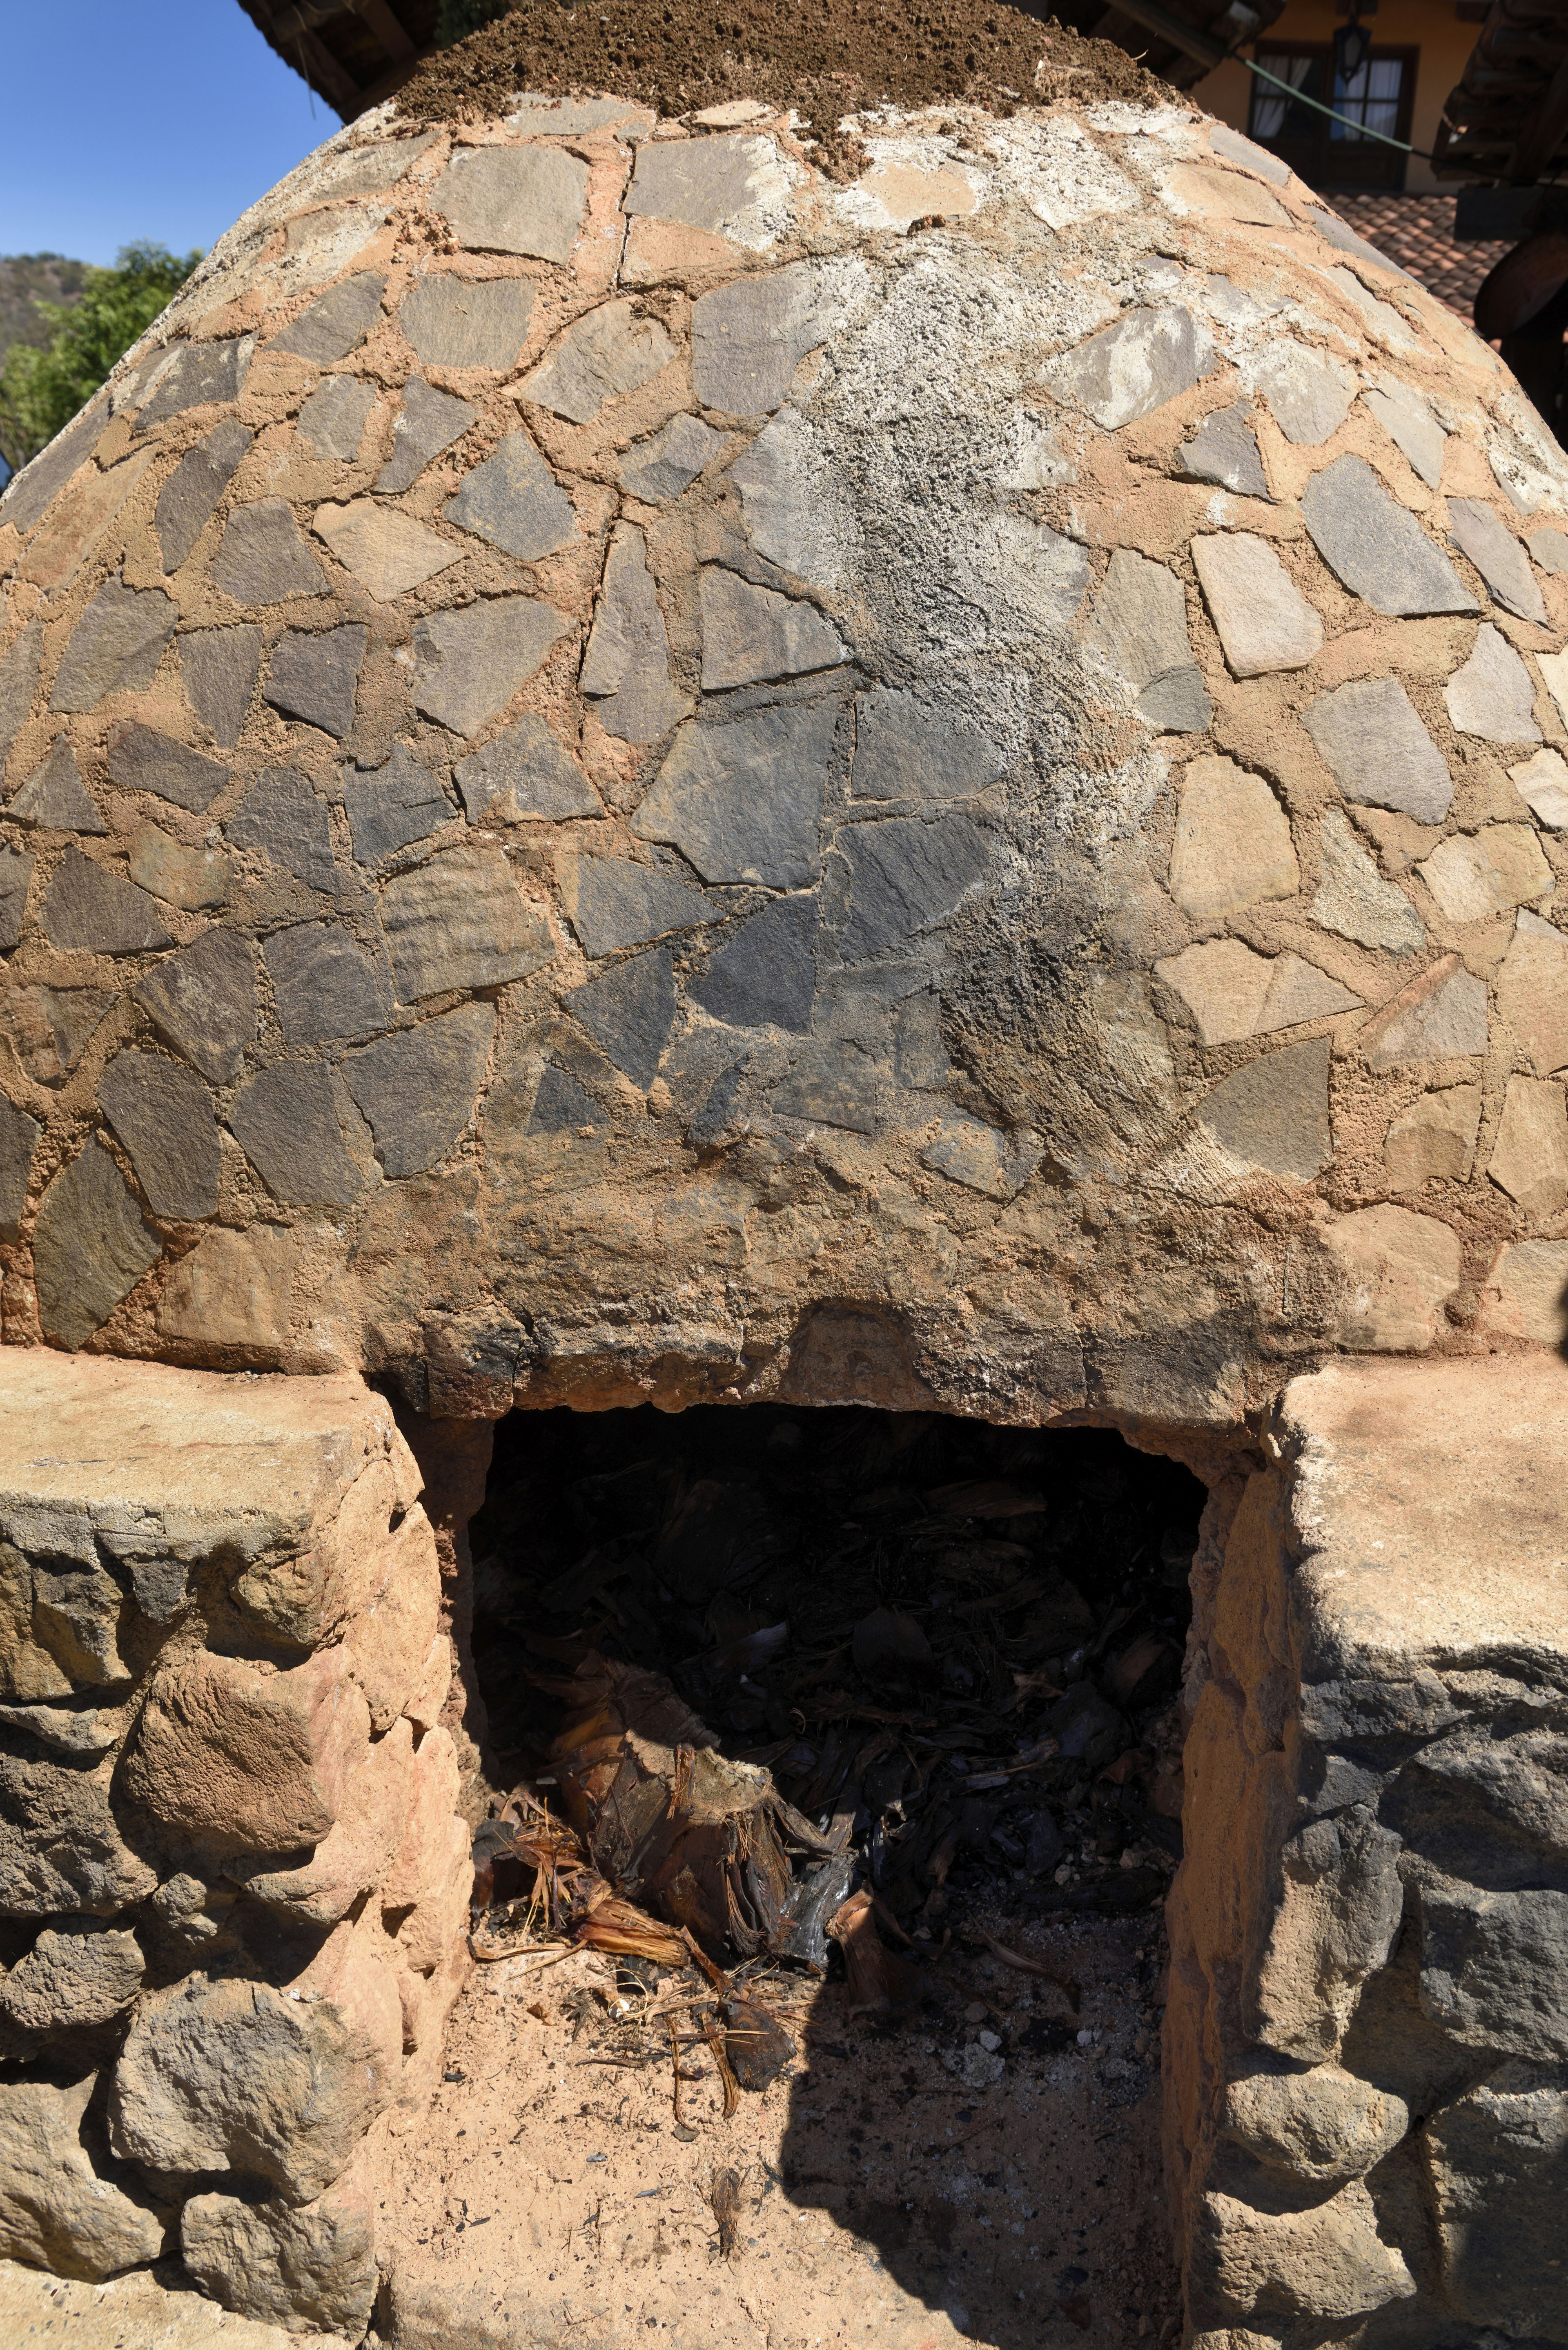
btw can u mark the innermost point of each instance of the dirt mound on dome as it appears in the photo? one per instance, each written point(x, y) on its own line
point(824, 61)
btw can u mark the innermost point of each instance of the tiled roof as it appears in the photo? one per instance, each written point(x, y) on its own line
point(1417, 232)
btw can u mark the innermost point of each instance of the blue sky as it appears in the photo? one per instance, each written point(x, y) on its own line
point(159, 120)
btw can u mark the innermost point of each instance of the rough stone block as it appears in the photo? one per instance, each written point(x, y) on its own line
point(629, 1013)
point(1308, 396)
point(1232, 846)
point(609, 352)
point(743, 801)
point(751, 633)
point(287, 1123)
point(467, 322)
point(1478, 531)
point(1493, 2167)
point(1138, 627)
point(1441, 1014)
point(460, 922)
point(393, 1626)
point(115, 646)
point(237, 2076)
point(612, 903)
point(906, 748)
point(1262, 620)
point(1224, 449)
point(423, 1877)
point(394, 804)
point(513, 501)
point(248, 1757)
point(15, 878)
point(981, 1157)
point(1541, 782)
point(1233, 992)
point(1530, 1156)
point(202, 1001)
point(1273, 1112)
point(355, 1854)
point(1378, 548)
point(332, 421)
point(1434, 1140)
point(1475, 876)
point(669, 461)
point(199, 375)
point(233, 1290)
point(60, 1846)
point(1380, 754)
point(219, 667)
point(61, 1609)
point(830, 1084)
point(418, 1089)
point(526, 200)
point(309, 2268)
point(56, 2212)
point(19, 667)
point(388, 551)
point(626, 668)
point(766, 974)
point(1326, 2262)
point(1533, 994)
point(469, 664)
point(1148, 358)
point(76, 1975)
point(337, 322)
point(1324, 2125)
point(747, 339)
point(1400, 1269)
point(139, 760)
point(1493, 695)
point(1354, 900)
point(283, 816)
point(428, 422)
point(90, 1248)
point(18, 1134)
point(1526, 1295)
point(905, 875)
point(526, 773)
point(55, 796)
point(163, 1115)
point(326, 985)
point(315, 675)
point(192, 490)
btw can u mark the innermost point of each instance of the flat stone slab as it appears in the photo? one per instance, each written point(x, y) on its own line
point(1541, 782)
point(1478, 531)
point(905, 875)
point(1262, 620)
point(1493, 695)
point(743, 801)
point(1440, 1016)
point(601, 357)
point(751, 634)
point(91, 1246)
point(1475, 876)
point(1146, 359)
point(286, 1122)
point(1411, 426)
point(764, 976)
point(669, 461)
point(467, 322)
point(513, 500)
point(54, 795)
point(469, 664)
point(191, 492)
point(198, 375)
point(460, 921)
point(393, 805)
point(525, 774)
point(747, 339)
point(1309, 396)
point(629, 1012)
point(1355, 901)
point(1224, 449)
point(388, 551)
point(1381, 754)
point(612, 903)
point(91, 908)
point(141, 760)
point(526, 200)
point(326, 985)
point(626, 668)
point(15, 878)
point(164, 1114)
point(337, 323)
point(907, 747)
point(19, 667)
point(706, 184)
point(28, 495)
point(315, 676)
point(18, 1137)
point(332, 421)
point(203, 1001)
point(418, 1089)
point(1138, 627)
point(426, 423)
point(288, 822)
point(1232, 846)
point(1377, 548)
point(263, 558)
point(115, 646)
point(220, 668)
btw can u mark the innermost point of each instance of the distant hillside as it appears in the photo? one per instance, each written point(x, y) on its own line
point(24, 278)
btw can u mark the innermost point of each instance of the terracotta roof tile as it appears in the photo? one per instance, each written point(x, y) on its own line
point(1417, 232)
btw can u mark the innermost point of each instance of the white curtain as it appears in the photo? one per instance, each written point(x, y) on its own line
point(1269, 105)
point(1373, 98)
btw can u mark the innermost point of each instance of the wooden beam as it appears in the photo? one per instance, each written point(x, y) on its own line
point(394, 40)
point(1206, 51)
point(1541, 131)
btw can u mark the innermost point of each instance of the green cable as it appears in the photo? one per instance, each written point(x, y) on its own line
point(1318, 108)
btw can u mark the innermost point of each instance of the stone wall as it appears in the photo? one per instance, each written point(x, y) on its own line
point(232, 1878)
point(632, 770)
point(1367, 2099)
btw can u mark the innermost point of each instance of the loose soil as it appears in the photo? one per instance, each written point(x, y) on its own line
point(825, 60)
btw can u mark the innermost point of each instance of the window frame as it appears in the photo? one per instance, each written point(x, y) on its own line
point(1325, 162)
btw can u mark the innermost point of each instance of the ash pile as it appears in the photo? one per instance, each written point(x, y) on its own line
point(819, 1689)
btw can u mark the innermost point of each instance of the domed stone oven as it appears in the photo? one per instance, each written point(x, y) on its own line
point(637, 773)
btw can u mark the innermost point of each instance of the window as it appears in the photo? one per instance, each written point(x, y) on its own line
point(1328, 153)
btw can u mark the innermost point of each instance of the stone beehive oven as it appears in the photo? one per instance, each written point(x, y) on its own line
point(632, 769)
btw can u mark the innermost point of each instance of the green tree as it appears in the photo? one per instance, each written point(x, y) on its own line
point(41, 389)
